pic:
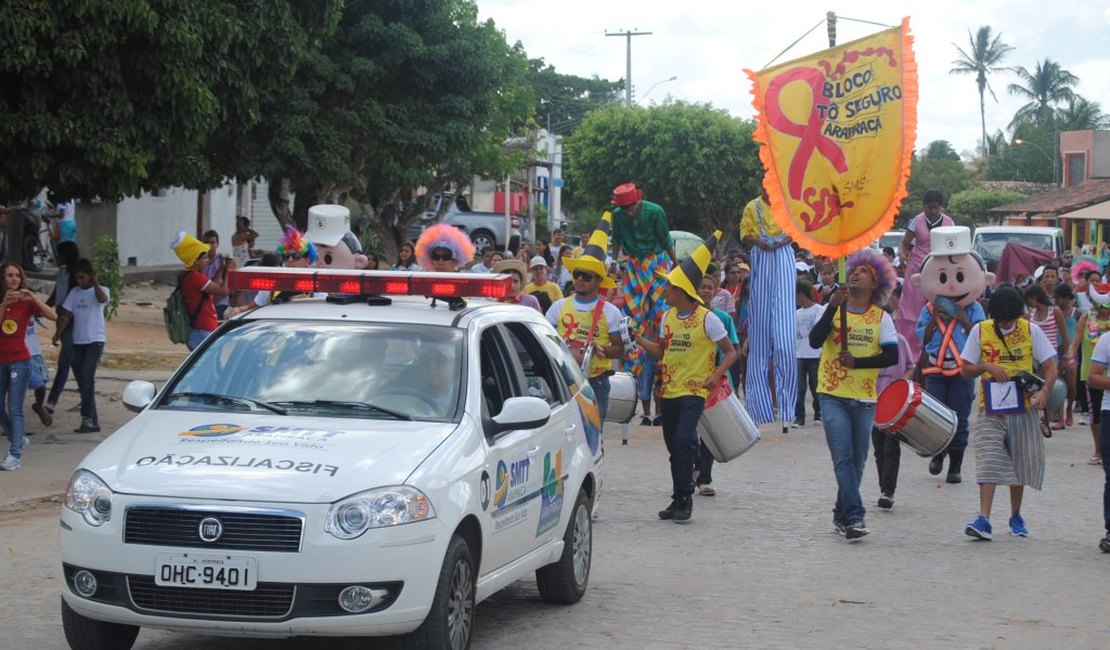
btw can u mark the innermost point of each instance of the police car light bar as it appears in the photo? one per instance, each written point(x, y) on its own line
point(380, 283)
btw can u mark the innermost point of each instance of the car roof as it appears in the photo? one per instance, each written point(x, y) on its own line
point(406, 310)
point(1040, 230)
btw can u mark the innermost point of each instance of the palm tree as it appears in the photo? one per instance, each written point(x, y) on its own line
point(1044, 88)
point(982, 58)
point(1081, 114)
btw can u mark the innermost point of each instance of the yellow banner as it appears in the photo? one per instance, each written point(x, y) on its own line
point(837, 130)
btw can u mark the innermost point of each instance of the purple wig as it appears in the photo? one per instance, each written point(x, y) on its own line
point(885, 276)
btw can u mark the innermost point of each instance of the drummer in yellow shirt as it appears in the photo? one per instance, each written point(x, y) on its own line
point(687, 347)
point(846, 384)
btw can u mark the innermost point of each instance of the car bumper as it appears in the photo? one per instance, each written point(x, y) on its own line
point(296, 592)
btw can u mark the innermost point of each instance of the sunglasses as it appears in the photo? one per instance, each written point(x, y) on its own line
point(295, 256)
point(442, 257)
point(584, 275)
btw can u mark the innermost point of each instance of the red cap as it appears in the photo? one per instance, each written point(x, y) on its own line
point(627, 194)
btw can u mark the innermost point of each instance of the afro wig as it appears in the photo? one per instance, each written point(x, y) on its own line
point(443, 235)
point(886, 278)
point(294, 242)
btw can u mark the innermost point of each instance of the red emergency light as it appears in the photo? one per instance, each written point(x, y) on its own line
point(370, 283)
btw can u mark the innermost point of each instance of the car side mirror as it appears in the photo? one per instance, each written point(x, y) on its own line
point(137, 395)
point(520, 413)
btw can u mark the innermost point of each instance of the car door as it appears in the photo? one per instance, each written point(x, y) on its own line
point(558, 439)
point(514, 458)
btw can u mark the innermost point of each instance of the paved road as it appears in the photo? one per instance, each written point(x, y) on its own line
point(759, 566)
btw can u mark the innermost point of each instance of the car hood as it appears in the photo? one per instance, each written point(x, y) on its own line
point(260, 457)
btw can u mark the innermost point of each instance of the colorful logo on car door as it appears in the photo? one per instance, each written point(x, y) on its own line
point(591, 417)
point(551, 494)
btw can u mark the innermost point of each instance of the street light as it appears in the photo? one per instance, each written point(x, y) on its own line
point(653, 87)
point(1020, 141)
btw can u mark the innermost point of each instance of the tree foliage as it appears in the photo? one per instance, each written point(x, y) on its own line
point(106, 98)
point(983, 57)
point(972, 207)
point(1027, 156)
point(699, 163)
point(1045, 89)
point(563, 100)
point(933, 169)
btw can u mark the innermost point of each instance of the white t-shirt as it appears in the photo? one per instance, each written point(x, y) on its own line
point(1043, 349)
point(67, 211)
point(804, 322)
point(1101, 356)
point(88, 315)
point(32, 339)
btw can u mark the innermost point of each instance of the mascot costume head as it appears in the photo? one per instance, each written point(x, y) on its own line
point(953, 276)
point(329, 230)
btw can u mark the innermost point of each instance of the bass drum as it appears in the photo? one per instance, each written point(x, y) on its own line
point(913, 416)
point(622, 398)
point(725, 426)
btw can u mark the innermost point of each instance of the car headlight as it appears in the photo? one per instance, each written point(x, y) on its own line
point(90, 497)
point(392, 506)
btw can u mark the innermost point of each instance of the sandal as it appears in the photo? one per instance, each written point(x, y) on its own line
point(707, 491)
point(1058, 427)
point(1046, 431)
point(1095, 460)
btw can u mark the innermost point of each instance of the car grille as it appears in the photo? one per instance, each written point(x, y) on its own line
point(267, 601)
point(245, 531)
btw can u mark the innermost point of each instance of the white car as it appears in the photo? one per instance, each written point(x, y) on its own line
point(360, 465)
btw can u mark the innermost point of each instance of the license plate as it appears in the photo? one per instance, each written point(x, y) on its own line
point(206, 571)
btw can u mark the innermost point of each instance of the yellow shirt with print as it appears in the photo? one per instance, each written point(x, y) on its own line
point(549, 288)
point(1015, 354)
point(574, 325)
point(749, 221)
point(689, 355)
point(863, 341)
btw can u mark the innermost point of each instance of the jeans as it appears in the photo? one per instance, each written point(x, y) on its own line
point(888, 458)
point(65, 360)
point(958, 393)
point(1104, 447)
point(645, 383)
point(86, 357)
point(14, 378)
point(704, 469)
point(601, 391)
point(196, 337)
point(848, 425)
point(680, 432)
point(807, 375)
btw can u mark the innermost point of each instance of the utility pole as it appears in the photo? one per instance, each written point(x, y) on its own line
point(628, 61)
point(830, 23)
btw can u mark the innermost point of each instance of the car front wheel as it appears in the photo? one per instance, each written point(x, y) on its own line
point(451, 619)
point(564, 582)
point(83, 633)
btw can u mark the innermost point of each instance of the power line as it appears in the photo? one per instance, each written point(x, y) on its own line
point(628, 61)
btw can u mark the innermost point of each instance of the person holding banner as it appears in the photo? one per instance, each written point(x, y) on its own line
point(686, 346)
point(586, 320)
point(771, 351)
point(1009, 447)
point(857, 338)
point(915, 247)
point(641, 231)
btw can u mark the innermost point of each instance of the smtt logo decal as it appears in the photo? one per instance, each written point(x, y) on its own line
point(551, 494)
point(212, 430)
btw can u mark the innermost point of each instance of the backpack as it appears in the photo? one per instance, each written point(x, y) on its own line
point(176, 314)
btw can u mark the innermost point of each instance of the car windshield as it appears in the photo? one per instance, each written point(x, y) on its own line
point(394, 372)
point(990, 245)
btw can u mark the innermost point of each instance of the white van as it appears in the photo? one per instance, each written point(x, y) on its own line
point(989, 241)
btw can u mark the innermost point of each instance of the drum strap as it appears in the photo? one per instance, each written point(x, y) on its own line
point(948, 331)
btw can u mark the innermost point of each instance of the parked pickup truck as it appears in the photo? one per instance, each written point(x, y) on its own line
point(486, 229)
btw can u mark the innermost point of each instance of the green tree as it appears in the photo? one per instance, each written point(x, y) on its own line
point(1027, 156)
point(403, 95)
point(935, 168)
point(106, 98)
point(983, 57)
point(1044, 89)
point(562, 100)
point(972, 207)
point(699, 163)
point(1081, 114)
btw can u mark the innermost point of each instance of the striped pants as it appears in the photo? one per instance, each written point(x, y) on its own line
point(771, 325)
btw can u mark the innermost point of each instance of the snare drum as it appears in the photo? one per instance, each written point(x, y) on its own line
point(622, 398)
point(915, 417)
point(725, 427)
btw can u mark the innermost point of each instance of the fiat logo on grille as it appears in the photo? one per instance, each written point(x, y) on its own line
point(210, 529)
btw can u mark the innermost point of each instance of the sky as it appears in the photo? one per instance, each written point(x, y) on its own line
point(706, 44)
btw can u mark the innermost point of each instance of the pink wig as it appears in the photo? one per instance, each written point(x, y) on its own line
point(443, 235)
point(1081, 269)
point(885, 276)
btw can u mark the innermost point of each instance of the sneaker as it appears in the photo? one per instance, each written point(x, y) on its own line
point(840, 527)
point(657, 421)
point(1104, 544)
point(798, 424)
point(886, 502)
point(10, 463)
point(856, 530)
point(624, 442)
point(87, 426)
point(979, 529)
point(668, 512)
point(645, 421)
point(1082, 418)
point(684, 510)
point(817, 418)
point(1017, 526)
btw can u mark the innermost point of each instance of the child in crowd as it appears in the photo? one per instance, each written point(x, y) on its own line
point(39, 375)
point(84, 311)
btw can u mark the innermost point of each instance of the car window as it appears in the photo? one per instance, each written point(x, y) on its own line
point(560, 356)
point(539, 374)
point(333, 369)
point(497, 382)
